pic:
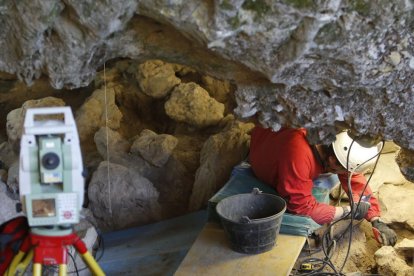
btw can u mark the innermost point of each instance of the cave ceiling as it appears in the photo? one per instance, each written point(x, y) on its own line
point(317, 64)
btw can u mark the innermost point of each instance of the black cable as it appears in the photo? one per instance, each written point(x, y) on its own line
point(74, 263)
point(360, 197)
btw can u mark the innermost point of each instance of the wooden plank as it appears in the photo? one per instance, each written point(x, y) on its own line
point(211, 255)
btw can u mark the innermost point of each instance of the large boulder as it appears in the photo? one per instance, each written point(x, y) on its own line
point(8, 205)
point(190, 103)
point(390, 264)
point(405, 248)
point(156, 78)
point(218, 89)
point(109, 141)
point(99, 110)
point(7, 155)
point(125, 199)
point(397, 205)
point(154, 148)
point(220, 153)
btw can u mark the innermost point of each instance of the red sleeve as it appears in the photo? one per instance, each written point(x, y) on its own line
point(358, 182)
point(296, 185)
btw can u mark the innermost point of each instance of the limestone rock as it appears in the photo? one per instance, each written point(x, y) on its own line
point(107, 139)
point(124, 200)
point(405, 248)
point(7, 155)
point(15, 118)
point(8, 205)
point(386, 172)
point(154, 148)
point(188, 151)
point(13, 179)
point(191, 104)
point(157, 78)
point(389, 263)
point(405, 160)
point(397, 201)
point(218, 89)
point(220, 153)
point(98, 110)
point(3, 175)
point(390, 146)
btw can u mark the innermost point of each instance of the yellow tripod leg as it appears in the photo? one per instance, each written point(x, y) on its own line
point(37, 269)
point(62, 270)
point(92, 264)
point(16, 260)
point(21, 268)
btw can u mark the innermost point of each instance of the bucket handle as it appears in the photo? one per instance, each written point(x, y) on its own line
point(256, 191)
point(245, 219)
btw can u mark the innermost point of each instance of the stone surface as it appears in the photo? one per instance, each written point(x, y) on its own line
point(13, 179)
point(406, 248)
point(390, 264)
point(124, 200)
point(8, 205)
point(191, 104)
point(154, 148)
point(157, 78)
point(98, 110)
point(397, 202)
point(15, 118)
point(386, 172)
point(405, 160)
point(217, 89)
point(110, 141)
point(220, 153)
point(7, 154)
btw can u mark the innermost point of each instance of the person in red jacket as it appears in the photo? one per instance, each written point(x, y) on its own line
point(286, 161)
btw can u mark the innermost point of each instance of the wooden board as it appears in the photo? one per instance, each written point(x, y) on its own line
point(211, 255)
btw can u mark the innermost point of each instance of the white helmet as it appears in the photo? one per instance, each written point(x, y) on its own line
point(360, 158)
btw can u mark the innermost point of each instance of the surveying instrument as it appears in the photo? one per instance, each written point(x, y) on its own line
point(51, 187)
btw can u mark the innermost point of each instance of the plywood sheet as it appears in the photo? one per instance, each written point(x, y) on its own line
point(211, 255)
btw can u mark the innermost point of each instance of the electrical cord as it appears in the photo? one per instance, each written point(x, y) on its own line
point(74, 263)
point(351, 199)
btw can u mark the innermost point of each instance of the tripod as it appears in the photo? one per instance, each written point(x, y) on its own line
point(50, 250)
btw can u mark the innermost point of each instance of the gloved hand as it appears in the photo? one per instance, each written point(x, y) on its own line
point(362, 210)
point(383, 234)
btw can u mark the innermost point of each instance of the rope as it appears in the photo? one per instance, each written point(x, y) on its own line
point(107, 142)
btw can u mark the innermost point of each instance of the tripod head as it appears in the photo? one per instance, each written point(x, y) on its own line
point(51, 182)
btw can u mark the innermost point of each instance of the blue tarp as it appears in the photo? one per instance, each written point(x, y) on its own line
point(242, 181)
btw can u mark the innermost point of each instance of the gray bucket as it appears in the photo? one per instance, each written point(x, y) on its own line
point(252, 221)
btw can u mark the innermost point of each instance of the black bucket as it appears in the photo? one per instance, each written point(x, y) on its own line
point(252, 221)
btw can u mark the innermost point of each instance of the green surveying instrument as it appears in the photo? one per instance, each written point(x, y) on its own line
point(51, 187)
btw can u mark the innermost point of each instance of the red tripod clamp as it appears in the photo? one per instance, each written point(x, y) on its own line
point(50, 250)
